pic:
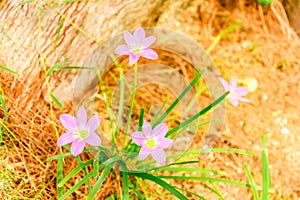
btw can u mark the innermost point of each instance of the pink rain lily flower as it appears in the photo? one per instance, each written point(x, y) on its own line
point(235, 93)
point(79, 131)
point(137, 45)
point(152, 141)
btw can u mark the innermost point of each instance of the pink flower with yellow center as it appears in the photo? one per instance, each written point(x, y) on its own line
point(235, 93)
point(152, 142)
point(137, 45)
point(79, 131)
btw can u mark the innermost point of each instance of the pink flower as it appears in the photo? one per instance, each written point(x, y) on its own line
point(235, 93)
point(79, 131)
point(152, 141)
point(137, 46)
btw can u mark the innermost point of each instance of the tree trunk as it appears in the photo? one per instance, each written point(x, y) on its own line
point(292, 8)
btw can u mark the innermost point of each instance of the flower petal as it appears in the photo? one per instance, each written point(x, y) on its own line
point(133, 58)
point(81, 117)
point(77, 147)
point(232, 83)
point(224, 83)
point(160, 130)
point(65, 138)
point(164, 143)
point(144, 153)
point(241, 91)
point(68, 121)
point(234, 101)
point(138, 138)
point(148, 41)
point(93, 139)
point(122, 49)
point(139, 35)
point(147, 130)
point(93, 123)
point(150, 54)
point(129, 39)
point(159, 156)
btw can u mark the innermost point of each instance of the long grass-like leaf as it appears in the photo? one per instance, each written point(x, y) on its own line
point(60, 26)
point(202, 112)
point(126, 185)
point(74, 171)
point(188, 88)
point(266, 181)
point(56, 101)
point(222, 35)
point(76, 186)
point(42, 10)
point(190, 192)
point(203, 178)
point(99, 182)
point(192, 170)
point(215, 190)
point(9, 70)
point(59, 64)
point(3, 104)
point(252, 183)
point(160, 182)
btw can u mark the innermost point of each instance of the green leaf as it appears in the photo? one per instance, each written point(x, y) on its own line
point(188, 88)
point(56, 101)
point(192, 170)
point(202, 112)
point(215, 190)
point(141, 120)
point(99, 182)
point(3, 104)
point(21, 4)
point(252, 183)
point(160, 182)
point(59, 64)
point(76, 186)
point(222, 35)
point(61, 24)
point(265, 2)
point(60, 177)
point(190, 192)
point(42, 10)
point(125, 187)
point(266, 180)
point(203, 178)
point(1, 133)
point(73, 172)
point(9, 70)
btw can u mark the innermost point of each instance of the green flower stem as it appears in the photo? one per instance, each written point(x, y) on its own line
point(121, 103)
point(131, 104)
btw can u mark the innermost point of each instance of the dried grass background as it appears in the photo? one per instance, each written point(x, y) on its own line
point(264, 47)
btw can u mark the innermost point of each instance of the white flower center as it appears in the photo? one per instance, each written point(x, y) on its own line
point(81, 134)
point(137, 51)
point(150, 143)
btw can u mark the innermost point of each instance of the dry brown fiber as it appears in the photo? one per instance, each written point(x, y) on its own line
point(265, 48)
